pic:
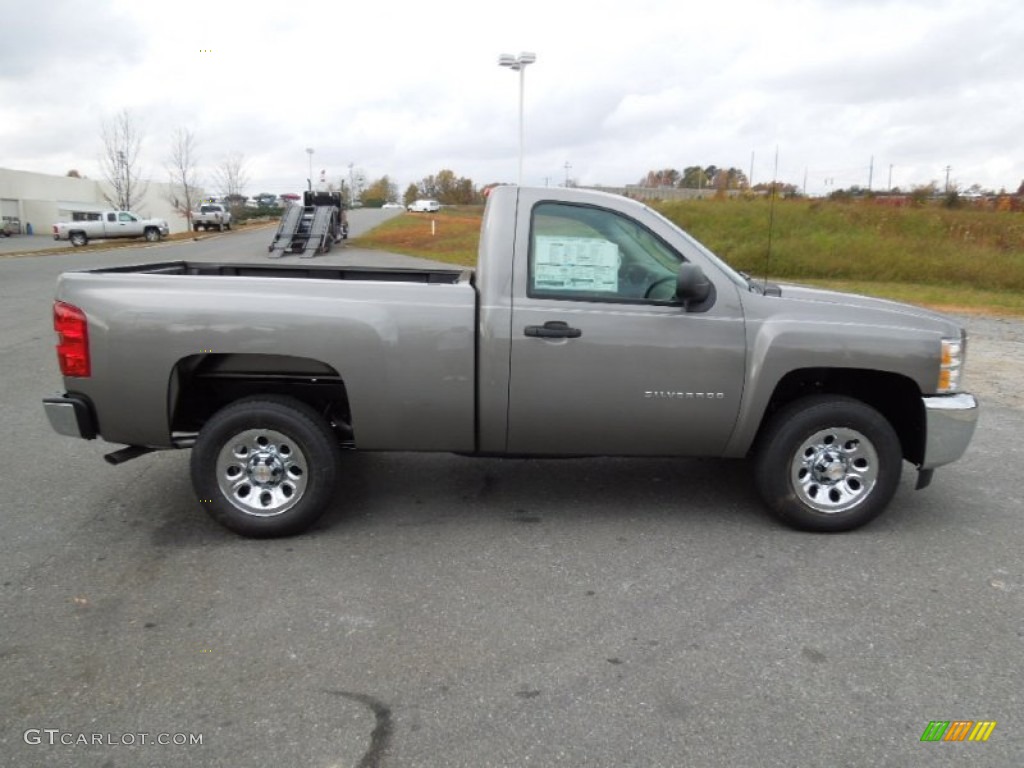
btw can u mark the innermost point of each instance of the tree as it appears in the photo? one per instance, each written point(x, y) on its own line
point(781, 189)
point(694, 177)
point(411, 193)
point(74, 174)
point(231, 177)
point(181, 167)
point(446, 188)
point(122, 139)
point(733, 178)
point(381, 191)
point(666, 177)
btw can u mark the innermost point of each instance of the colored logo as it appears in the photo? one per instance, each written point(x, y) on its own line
point(958, 730)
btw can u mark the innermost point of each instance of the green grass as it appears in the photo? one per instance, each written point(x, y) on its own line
point(953, 259)
point(453, 239)
point(862, 242)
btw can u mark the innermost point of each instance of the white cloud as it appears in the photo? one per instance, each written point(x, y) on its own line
point(407, 89)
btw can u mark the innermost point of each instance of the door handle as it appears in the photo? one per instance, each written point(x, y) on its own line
point(553, 329)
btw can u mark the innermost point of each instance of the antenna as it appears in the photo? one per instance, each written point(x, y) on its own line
point(771, 219)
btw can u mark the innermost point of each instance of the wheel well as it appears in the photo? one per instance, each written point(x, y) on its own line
point(896, 397)
point(203, 384)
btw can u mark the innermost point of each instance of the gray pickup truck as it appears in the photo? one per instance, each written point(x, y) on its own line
point(592, 326)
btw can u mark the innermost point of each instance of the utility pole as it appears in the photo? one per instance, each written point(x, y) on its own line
point(948, 169)
point(568, 166)
point(750, 178)
point(871, 171)
point(890, 177)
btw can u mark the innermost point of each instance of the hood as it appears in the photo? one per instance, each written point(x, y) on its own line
point(864, 309)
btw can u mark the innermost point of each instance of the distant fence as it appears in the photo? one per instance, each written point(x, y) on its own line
point(665, 193)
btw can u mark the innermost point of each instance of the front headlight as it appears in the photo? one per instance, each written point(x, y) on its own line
point(952, 364)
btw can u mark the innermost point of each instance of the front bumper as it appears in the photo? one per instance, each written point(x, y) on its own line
point(949, 423)
point(71, 415)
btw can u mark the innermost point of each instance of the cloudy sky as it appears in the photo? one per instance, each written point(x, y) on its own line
point(619, 88)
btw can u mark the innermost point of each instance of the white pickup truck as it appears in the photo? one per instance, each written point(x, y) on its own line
point(111, 224)
point(211, 216)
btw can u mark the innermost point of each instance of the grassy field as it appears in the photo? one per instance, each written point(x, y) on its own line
point(952, 259)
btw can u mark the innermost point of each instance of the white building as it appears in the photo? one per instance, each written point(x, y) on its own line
point(42, 200)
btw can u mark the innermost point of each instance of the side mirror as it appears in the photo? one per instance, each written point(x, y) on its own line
point(692, 286)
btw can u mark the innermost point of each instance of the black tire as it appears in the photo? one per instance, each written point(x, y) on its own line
point(828, 463)
point(196, 227)
point(152, 234)
point(78, 238)
point(265, 466)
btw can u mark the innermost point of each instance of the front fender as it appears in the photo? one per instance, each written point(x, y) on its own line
point(783, 344)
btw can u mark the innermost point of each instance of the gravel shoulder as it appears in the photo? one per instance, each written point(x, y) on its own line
point(995, 359)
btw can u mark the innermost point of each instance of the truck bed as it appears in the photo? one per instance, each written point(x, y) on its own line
point(402, 342)
point(310, 272)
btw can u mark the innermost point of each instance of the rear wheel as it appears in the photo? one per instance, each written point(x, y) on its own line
point(78, 238)
point(828, 463)
point(265, 466)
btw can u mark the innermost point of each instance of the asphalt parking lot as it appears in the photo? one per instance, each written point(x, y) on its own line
point(451, 611)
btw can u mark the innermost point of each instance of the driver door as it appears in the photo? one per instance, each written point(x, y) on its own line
point(128, 225)
point(602, 361)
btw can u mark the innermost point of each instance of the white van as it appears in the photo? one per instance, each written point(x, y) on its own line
point(425, 206)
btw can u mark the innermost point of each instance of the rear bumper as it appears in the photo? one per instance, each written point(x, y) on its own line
point(71, 415)
point(950, 421)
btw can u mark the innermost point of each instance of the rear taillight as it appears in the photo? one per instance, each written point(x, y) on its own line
point(72, 339)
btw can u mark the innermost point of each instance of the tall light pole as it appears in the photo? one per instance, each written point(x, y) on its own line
point(309, 151)
point(518, 64)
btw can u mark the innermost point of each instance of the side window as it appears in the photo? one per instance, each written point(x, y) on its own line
point(126, 217)
point(111, 217)
point(591, 254)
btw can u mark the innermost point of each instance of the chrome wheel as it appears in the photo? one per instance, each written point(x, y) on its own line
point(262, 472)
point(834, 470)
point(828, 463)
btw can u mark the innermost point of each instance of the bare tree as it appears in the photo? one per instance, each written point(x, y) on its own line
point(181, 167)
point(122, 139)
point(231, 177)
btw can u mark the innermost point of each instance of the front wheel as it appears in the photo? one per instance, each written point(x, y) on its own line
point(152, 235)
point(265, 466)
point(828, 463)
